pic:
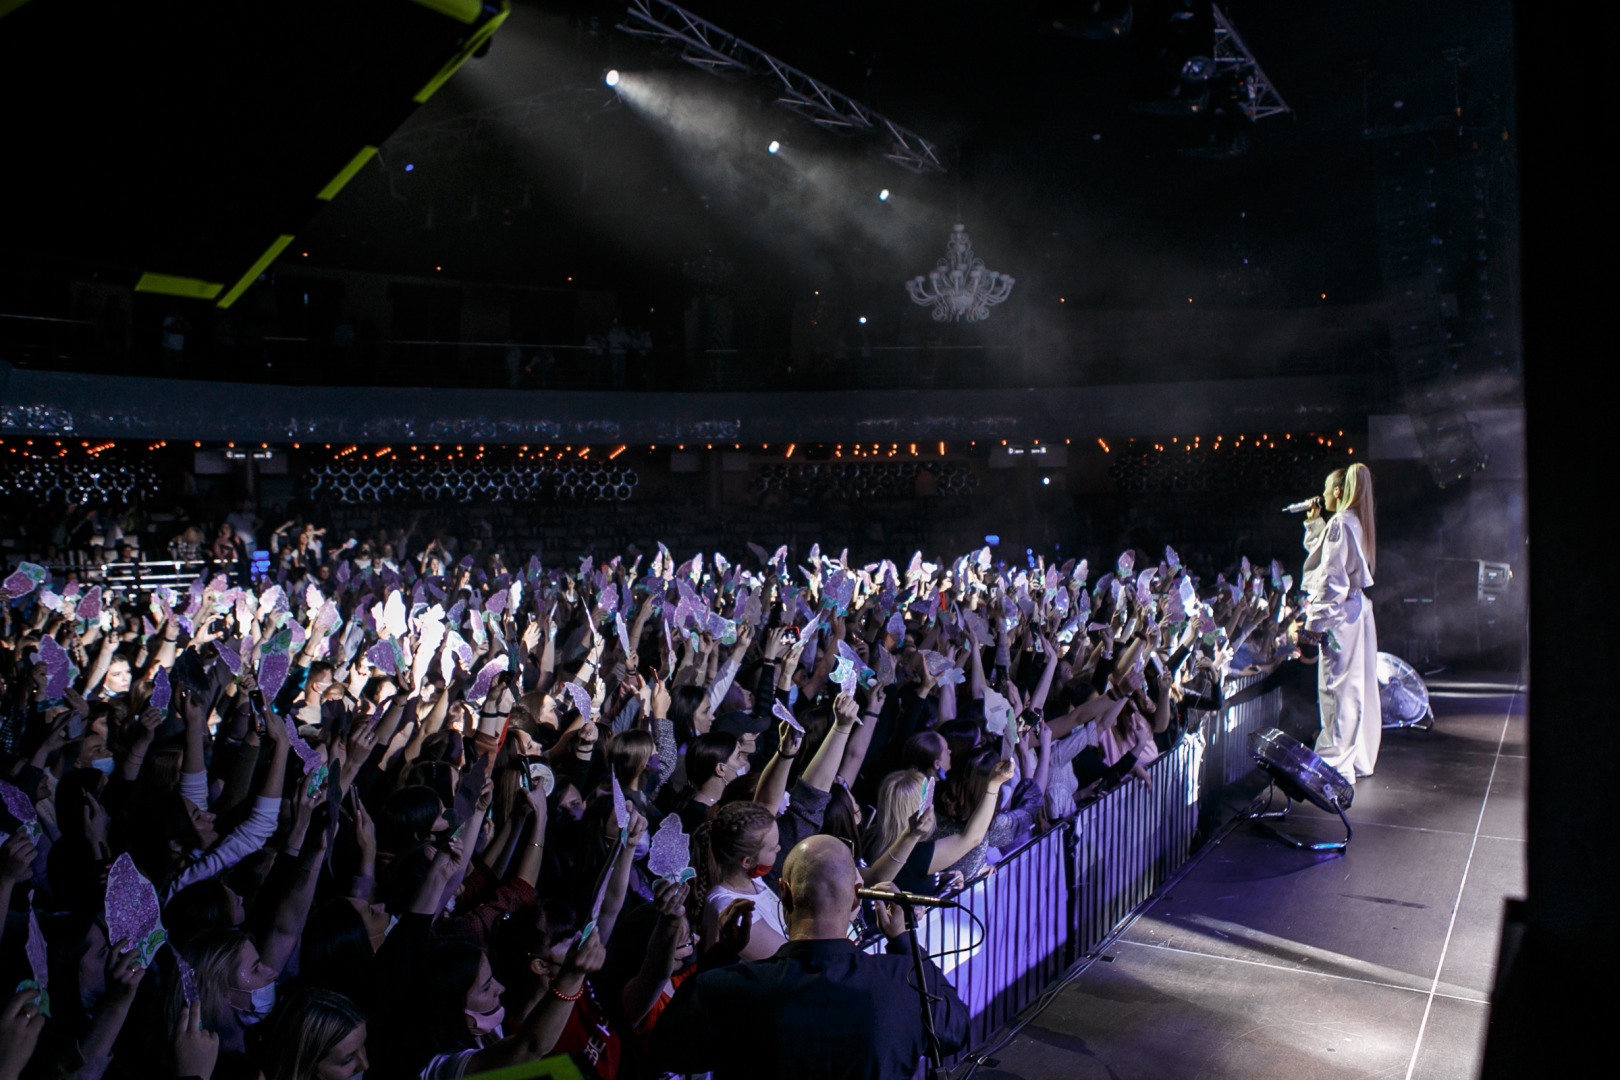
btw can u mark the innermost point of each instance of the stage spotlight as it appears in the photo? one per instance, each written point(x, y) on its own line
point(863, 320)
point(883, 196)
point(612, 77)
point(774, 147)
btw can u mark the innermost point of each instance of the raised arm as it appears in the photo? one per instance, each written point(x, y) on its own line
point(823, 768)
point(948, 850)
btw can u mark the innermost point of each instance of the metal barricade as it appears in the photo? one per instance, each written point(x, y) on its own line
point(1057, 897)
point(1130, 840)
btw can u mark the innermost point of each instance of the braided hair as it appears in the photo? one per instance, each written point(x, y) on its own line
point(730, 835)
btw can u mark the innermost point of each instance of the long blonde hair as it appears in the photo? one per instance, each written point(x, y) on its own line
point(1357, 483)
point(899, 795)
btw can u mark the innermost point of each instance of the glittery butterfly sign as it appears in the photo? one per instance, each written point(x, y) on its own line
point(133, 914)
point(784, 714)
point(21, 809)
point(89, 608)
point(580, 698)
point(998, 712)
point(162, 691)
point(671, 854)
point(274, 664)
point(621, 809)
point(315, 767)
point(486, 679)
point(34, 949)
point(59, 668)
point(24, 580)
point(896, 628)
point(941, 669)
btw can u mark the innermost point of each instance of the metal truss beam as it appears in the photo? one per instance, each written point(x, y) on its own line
point(1259, 99)
point(704, 45)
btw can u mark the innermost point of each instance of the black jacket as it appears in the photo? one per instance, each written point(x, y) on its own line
point(817, 1009)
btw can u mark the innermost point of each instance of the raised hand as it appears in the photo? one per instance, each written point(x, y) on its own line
point(123, 970)
point(20, 1025)
point(736, 927)
point(846, 711)
point(17, 857)
point(96, 820)
point(788, 739)
point(921, 825)
point(891, 918)
point(196, 1050)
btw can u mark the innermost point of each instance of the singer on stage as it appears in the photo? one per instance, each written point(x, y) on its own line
point(818, 1008)
point(1342, 551)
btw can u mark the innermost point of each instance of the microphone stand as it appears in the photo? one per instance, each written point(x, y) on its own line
point(930, 1036)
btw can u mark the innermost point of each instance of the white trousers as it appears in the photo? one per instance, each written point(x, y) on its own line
point(1347, 689)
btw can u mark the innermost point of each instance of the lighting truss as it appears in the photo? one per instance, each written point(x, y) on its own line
point(1259, 98)
point(705, 45)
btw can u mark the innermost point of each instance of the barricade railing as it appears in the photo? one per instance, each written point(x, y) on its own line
point(1133, 838)
point(1048, 903)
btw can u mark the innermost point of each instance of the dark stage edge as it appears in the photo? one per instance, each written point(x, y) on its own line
point(1264, 961)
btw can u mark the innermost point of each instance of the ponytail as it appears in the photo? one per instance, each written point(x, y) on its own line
point(1358, 496)
point(729, 835)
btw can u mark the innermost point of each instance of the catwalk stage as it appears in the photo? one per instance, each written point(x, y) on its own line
point(1264, 961)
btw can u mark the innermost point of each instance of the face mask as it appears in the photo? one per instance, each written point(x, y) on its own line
point(941, 773)
point(760, 870)
point(263, 999)
point(742, 770)
point(484, 1023)
point(103, 765)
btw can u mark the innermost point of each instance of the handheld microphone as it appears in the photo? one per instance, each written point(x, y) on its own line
point(888, 896)
point(1299, 507)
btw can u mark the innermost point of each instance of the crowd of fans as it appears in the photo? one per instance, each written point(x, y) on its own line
point(435, 814)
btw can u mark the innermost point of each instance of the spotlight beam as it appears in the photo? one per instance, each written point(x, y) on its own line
point(716, 51)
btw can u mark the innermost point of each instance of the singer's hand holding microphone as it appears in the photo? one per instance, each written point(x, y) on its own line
point(1311, 508)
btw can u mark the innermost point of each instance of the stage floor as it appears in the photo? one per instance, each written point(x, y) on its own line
point(1264, 961)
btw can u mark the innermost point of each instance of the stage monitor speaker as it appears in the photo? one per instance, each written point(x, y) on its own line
point(181, 146)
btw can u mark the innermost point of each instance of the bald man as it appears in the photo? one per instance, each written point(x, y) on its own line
point(819, 1007)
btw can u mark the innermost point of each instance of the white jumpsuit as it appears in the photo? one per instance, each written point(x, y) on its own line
point(1347, 677)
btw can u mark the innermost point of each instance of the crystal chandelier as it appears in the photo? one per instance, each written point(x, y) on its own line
point(959, 287)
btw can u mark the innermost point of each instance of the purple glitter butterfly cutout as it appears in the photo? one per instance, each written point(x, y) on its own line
point(58, 666)
point(90, 604)
point(21, 808)
point(486, 678)
point(162, 690)
point(670, 856)
point(231, 656)
point(843, 674)
point(24, 580)
point(34, 948)
point(621, 810)
point(133, 914)
point(273, 668)
point(382, 657)
point(784, 714)
point(581, 699)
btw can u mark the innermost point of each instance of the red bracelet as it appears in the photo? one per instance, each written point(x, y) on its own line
point(565, 997)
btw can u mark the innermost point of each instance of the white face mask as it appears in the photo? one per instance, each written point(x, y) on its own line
point(742, 770)
point(103, 765)
point(484, 1023)
point(263, 999)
